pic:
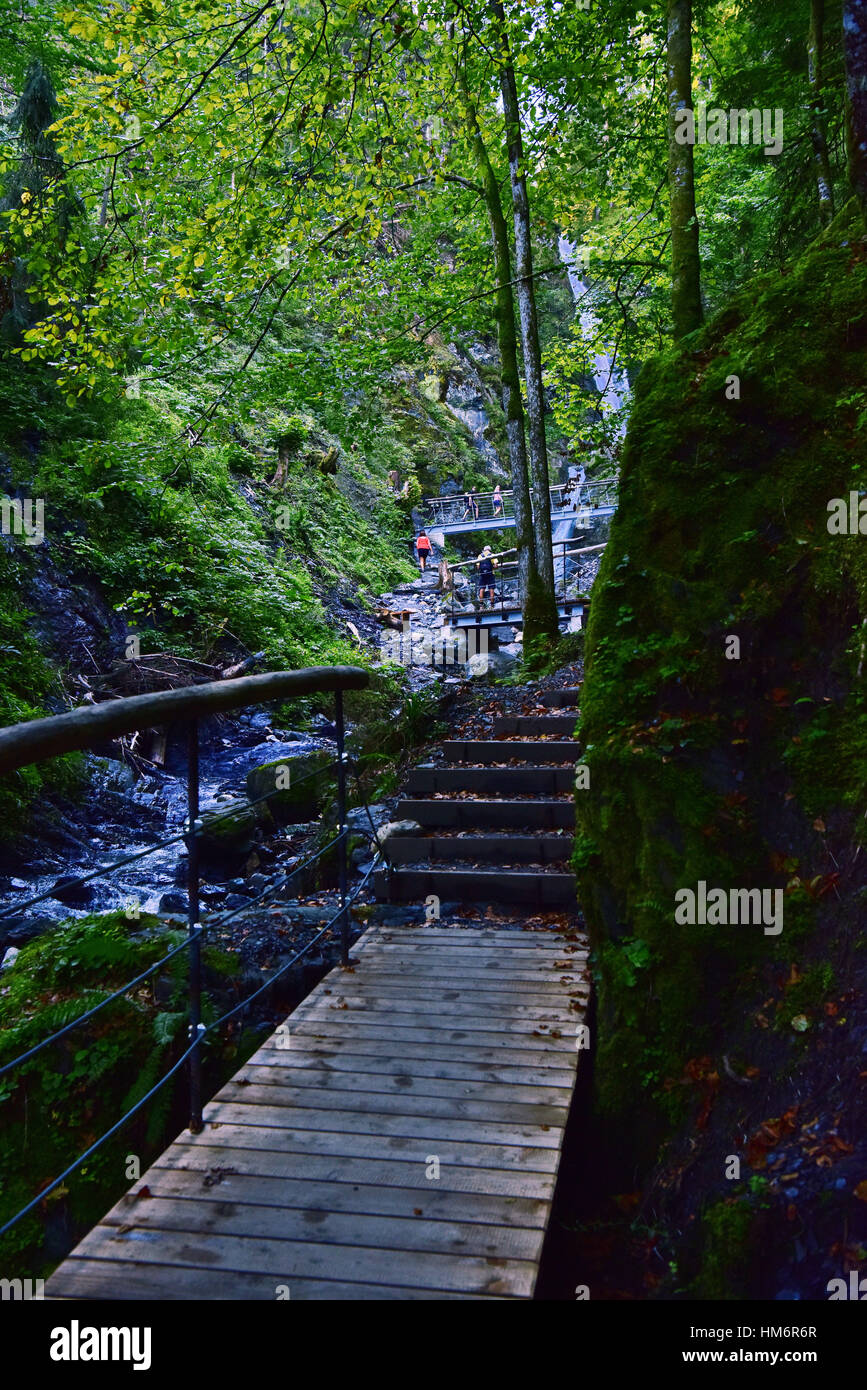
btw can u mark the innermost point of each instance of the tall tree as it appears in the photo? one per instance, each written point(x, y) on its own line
point(513, 407)
point(819, 125)
point(855, 56)
point(685, 260)
point(542, 603)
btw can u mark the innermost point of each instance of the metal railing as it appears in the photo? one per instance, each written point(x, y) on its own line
point(35, 740)
point(566, 499)
point(506, 592)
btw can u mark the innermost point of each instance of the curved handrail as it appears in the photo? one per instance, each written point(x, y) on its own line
point(35, 739)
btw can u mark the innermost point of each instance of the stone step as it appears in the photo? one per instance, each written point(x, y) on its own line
point(467, 815)
point(522, 849)
point(491, 781)
point(529, 725)
point(567, 698)
point(545, 889)
point(499, 751)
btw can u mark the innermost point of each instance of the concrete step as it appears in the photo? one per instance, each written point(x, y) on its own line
point(496, 751)
point(466, 815)
point(545, 889)
point(568, 697)
point(508, 849)
point(529, 725)
point(491, 781)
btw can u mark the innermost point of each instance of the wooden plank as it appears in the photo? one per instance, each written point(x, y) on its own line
point(124, 1278)
point(490, 989)
point(359, 1058)
point(203, 1156)
point(426, 1199)
point(398, 1102)
point(505, 1015)
point(462, 1153)
point(224, 1217)
point(463, 938)
point(399, 1083)
point(423, 1128)
point(286, 1260)
point(326, 1042)
point(448, 1034)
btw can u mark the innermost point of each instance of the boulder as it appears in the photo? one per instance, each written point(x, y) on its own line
point(227, 833)
point(393, 828)
point(293, 800)
point(72, 892)
point(172, 903)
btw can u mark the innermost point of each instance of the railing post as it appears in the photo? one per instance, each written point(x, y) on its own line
point(341, 817)
point(193, 926)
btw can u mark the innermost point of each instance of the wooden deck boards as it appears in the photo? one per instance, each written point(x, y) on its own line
point(449, 1047)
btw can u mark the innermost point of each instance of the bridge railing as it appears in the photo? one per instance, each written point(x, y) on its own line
point(88, 726)
point(506, 587)
point(487, 506)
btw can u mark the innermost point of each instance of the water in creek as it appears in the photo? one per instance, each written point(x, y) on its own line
point(121, 817)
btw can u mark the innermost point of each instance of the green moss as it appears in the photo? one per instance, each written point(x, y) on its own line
point(731, 1237)
point(704, 766)
point(56, 1104)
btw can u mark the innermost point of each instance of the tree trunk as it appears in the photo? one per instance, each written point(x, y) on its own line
point(541, 607)
point(685, 261)
point(819, 131)
point(513, 407)
point(855, 57)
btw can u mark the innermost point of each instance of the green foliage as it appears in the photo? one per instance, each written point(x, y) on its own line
point(57, 1103)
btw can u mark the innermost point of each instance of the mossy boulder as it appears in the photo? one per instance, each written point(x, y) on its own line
point(296, 785)
point(230, 831)
point(724, 710)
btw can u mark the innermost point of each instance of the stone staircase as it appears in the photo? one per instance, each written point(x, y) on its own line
point(495, 815)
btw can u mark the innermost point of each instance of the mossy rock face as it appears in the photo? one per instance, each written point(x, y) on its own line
point(298, 795)
point(710, 758)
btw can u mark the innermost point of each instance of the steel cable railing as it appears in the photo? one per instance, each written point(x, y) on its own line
point(26, 743)
point(202, 1032)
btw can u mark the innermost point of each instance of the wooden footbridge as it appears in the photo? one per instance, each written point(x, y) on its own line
point(399, 1136)
point(398, 1140)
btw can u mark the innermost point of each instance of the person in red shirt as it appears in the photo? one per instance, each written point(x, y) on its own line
point(423, 549)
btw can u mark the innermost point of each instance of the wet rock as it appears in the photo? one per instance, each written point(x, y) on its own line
point(70, 890)
point(235, 901)
point(112, 775)
point(19, 930)
point(11, 955)
point(172, 902)
point(358, 822)
point(394, 828)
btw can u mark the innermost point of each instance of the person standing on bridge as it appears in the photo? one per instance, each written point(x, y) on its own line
point(423, 550)
point(498, 501)
point(471, 506)
point(486, 564)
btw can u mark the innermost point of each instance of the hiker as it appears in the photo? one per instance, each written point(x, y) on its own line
point(423, 550)
point(498, 501)
point(486, 564)
point(471, 506)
